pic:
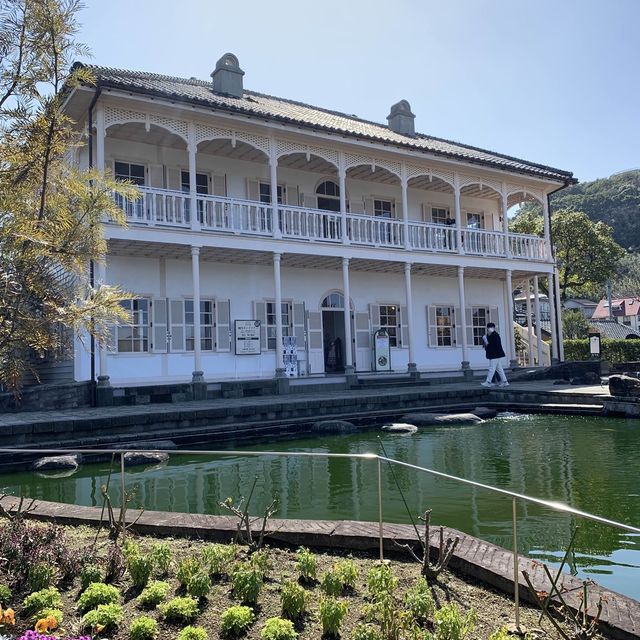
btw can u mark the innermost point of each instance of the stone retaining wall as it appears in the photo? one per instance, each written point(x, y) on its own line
point(69, 395)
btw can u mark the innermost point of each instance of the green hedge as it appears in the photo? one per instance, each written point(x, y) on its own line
point(613, 351)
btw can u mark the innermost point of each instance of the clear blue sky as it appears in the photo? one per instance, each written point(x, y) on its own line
point(551, 81)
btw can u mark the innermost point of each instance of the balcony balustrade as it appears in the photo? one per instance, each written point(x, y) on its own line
point(165, 208)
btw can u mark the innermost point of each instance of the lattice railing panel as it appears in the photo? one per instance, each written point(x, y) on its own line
point(115, 115)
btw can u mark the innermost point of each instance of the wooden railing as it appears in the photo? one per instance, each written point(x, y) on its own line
point(166, 208)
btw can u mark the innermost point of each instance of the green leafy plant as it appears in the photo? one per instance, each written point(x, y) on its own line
point(199, 584)
point(294, 599)
point(140, 568)
point(48, 598)
point(41, 575)
point(500, 634)
point(236, 620)
point(187, 568)
point(451, 624)
point(278, 629)
point(380, 581)
point(306, 564)
point(219, 557)
point(56, 614)
point(348, 572)
point(246, 581)
point(419, 601)
point(183, 609)
point(153, 594)
point(385, 611)
point(88, 574)
point(332, 583)
point(332, 613)
point(108, 616)
point(98, 593)
point(143, 628)
point(130, 548)
point(193, 633)
point(366, 632)
point(160, 558)
point(262, 560)
point(5, 595)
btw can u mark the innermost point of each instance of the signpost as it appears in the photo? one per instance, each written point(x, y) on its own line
point(247, 335)
point(594, 345)
point(381, 351)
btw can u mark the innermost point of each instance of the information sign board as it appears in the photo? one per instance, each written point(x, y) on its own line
point(247, 334)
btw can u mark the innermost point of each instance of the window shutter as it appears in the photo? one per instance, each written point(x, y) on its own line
point(156, 176)
point(363, 331)
point(291, 195)
point(174, 179)
point(160, 325)
point(310, 202)
point(112, 343)
point(494, 317)
point(260, 313)
point(298, 326)
point(374, 313)
point(220, 185)
point(315, 329)
point(253, 193)
point(368, 206)
point(223, 325)
point(468, 318)
point(458, 327)
point(176, 307)
point(356, 206)
point(404, 327)
point(432, 326)
point(426, 212)
point(396, 209)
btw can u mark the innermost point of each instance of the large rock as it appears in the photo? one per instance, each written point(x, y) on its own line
point(434, 419)
point(135, 458)
point(333, 426)
point(485, 413)
point(400, 427)
point(624, 386)
point(58, 463)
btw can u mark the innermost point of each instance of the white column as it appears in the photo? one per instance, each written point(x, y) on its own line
point(342, 187)
point(457, 212)
point(278, 296)
point(409, 319)
point(198, 374)
point(505, 220)
point(547, 227)
point(193, 194)
point(273, 168)
point(404, 183)
point(100, 135)
point(508, 312)
point(348, 341)
point(559, 312)
point(462, 320)
point(536, 308)
point(103, 371)
point(552, 315)
point(529, 323)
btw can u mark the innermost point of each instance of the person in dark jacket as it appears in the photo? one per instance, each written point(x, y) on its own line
point(494, 352)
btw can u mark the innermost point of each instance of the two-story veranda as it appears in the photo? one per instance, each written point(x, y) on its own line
point(252, 203)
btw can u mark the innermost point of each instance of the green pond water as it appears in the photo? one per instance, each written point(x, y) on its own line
point(589, 463)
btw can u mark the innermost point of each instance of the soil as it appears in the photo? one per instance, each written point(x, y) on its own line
point(494, 609)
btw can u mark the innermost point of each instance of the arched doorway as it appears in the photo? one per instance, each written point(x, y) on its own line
point(333, 334)
point(328, 196)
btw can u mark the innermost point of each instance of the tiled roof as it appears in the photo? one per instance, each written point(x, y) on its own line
point(613, 329)
point(619, 307)
point(201, 93)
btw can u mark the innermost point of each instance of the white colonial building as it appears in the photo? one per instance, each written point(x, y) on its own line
point(317, 225)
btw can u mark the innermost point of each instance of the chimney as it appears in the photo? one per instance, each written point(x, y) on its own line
point(227, 76)
point(401, 120)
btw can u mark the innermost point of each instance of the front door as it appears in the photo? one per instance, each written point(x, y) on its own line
point(333, 340)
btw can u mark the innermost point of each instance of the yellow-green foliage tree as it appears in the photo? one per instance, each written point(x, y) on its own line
point(50, 213)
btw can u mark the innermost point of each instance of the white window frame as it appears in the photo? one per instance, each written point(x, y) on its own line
point(444, 208)
point(479, 329)
point(451, 326)
point(474, 212)
point(393, 330)
point(133, 326)
point(379, 212)
point(287, 326)
point(281, 192)
point(189, 326)
point(132, 208)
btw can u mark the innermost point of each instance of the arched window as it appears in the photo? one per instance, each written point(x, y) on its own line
point(328, 194)
point(334, 300)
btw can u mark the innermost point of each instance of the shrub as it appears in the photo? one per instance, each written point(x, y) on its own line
point(180, 609)
point(98, 593)
point(419, 601)
point(130, 548)
point(5, 595)
point(153, 594)
point(186, 569)
point(366, 632)
point(332, 613)
point(306, 564)
point(262, 560)
point(56, 614)
point(199, 584)
point(140, 568)
point(247, 582)
point(160, 558)
point(332, 583)
point(115, 564)
point(108, 616)
point(40, 576)
point(193, 633)
point(236, 620)
point(451, 624)
point(143, 628)
point(294, 599)
point(88, 574)
point(278, 629)
point(614, 351)
point(348, 572)
point(48, 598)
point(500, 634)
point(380, 581)
point(219, 557)
point(385, 611)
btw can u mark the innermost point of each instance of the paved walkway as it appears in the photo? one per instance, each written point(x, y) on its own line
point(583, 394)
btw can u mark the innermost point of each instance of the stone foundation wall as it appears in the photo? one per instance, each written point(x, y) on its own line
point(44, 397)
